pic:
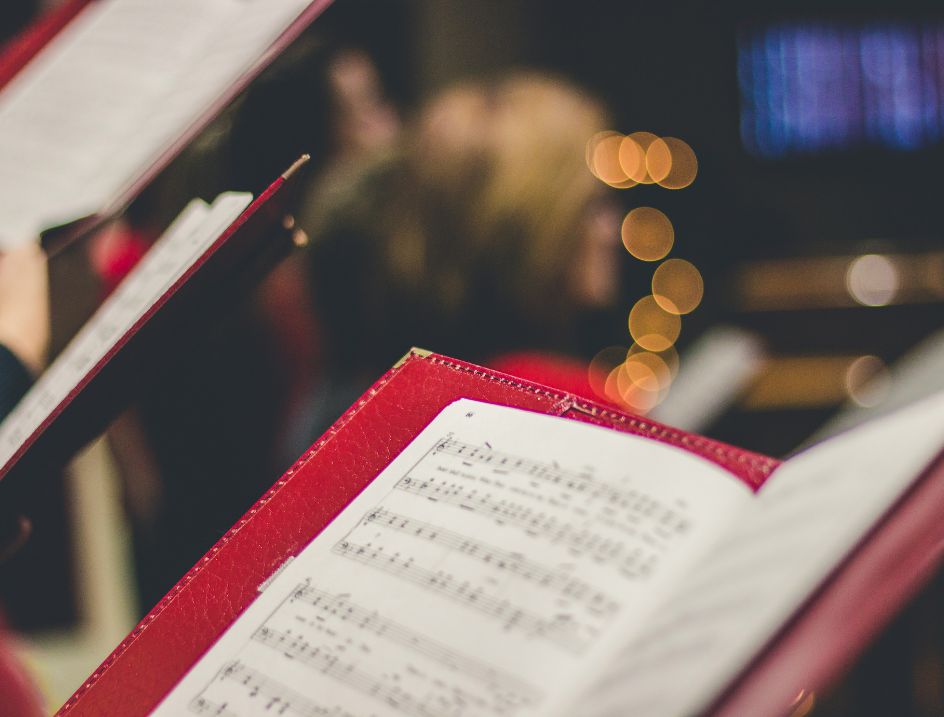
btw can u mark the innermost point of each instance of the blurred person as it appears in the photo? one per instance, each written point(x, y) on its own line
point(483, 234)
point(24, 321)
point(363, 119)
point(338, 112)
point(202, 444)
point(24, 341)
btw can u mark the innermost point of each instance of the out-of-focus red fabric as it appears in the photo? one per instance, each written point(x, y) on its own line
point(561, 372)
point(19, 696)
point(114, 251)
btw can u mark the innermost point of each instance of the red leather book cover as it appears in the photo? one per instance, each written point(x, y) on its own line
point(865, 590)
point(164, 645)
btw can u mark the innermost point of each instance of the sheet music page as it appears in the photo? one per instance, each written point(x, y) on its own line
point(190, 235)
point(811, 513)
point(486, 571)
point(114, 90)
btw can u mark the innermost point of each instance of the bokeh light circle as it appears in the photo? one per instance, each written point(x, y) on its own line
point(867, 381)
point(602, 157)
point(652, 327)
point(655, 365)
point(677, 286)
point(647, 234)
point(872, 280)
point(601, 366)
point(635, 385)
point(632, 156)
point(669, 358)
point(671, 163)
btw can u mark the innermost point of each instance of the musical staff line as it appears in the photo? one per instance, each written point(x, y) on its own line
point(202, 706)
point(388, 629)
point(605, 551)
point(560, 631)
point(297, 648)
point(280, 698)
point(505, 560)
point(581, 483)
point(508, 462)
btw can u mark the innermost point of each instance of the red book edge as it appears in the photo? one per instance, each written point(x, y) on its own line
point(820, 643)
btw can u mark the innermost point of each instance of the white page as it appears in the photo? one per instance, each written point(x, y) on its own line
point(809, 515)
point(114, 90)
point(488, 570)
point(191, 234)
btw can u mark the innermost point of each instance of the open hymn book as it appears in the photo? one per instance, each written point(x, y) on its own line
point(471, 558)
point(206, 259)
point(184, 241)
point(119, 92)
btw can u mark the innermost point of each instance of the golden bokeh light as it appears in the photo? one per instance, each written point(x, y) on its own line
point(591, 147)
point(632, 159)
point(670, 162)
point(636, 373)
point(803, 704)
point(601, 366)
point(642, 381)
point(602, 157)
point(647, 234)
point(652, 327)
point(632, 386)
point(867, 381)
point(632, 156)
point(669, 358)
point(635, 379)
point(677, 286)
point(872, 280)
point(634, 394)
point(611, 389)
point(655, 364)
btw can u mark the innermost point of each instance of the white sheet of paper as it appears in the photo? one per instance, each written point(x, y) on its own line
point(113, 91)
point(191, 234)
point(809, 515)
point(488, 570)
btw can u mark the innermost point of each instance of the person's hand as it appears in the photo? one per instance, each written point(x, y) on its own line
point(24, 304)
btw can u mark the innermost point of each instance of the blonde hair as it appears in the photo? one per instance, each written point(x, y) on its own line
point(465, 238)
point(496, 187)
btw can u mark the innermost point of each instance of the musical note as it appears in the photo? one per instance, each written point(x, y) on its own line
point(536, 522)
point(466, 581)
point(276, 697)
point(502, 560)
point(202, 706)
point(562, 630)
point(578, 483)
point(393, 695)
point(339, 606)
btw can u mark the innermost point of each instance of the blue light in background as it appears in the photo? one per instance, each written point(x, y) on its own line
point(810, 87)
